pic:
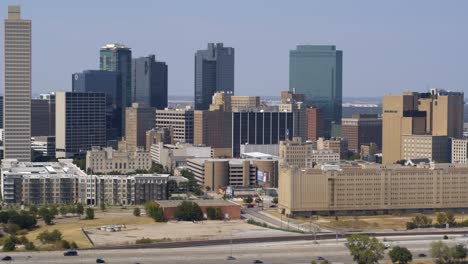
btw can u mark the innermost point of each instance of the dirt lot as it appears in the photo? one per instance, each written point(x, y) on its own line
point(178, 231)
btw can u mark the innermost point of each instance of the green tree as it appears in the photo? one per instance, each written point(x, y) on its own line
point(65, 244)
point(188, 211)
point(89, 213)
point(275, 200)
point(33, 210)
point(365, 250)
point(63, 210)
point(9, 244)
point(79, 210)
point(400, 255)
point(219, 214)
point(156, 168)
point(29, 246)
point(441, 218)
point(211, 213)
point(43, 211)
point(421, 221)
point(48, 218)
point(73, 245)
point(451, 218)
point(459, 252)
point(54, 210)
point(136, 211)
point(103, 207)
point(71, 209)
point(441, 252)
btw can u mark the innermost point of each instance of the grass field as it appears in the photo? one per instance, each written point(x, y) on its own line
point(71, 230)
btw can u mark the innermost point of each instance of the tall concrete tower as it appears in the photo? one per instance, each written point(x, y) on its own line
point(17, 86)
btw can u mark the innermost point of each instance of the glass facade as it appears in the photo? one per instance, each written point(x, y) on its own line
point(149, 82)
point(316, 72)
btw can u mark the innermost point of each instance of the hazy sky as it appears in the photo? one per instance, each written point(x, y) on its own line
point(388, 47)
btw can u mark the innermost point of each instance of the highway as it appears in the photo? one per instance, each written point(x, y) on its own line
point(274, 253)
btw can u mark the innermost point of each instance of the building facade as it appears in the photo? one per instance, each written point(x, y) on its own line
point(149, 82)
point(214, 72)
point(139, 119)
point(80, 122)
point(337, 145)
point(171, 156)
point(361, 129)
point(316, 72)
point(42, 117)
point(434, 148)
point(181, 121)
point(108, 82)
point(17, 86)
point(315, 123)
point(370, 189)
point(295, 152)
point(108, 160)
point(459, 151)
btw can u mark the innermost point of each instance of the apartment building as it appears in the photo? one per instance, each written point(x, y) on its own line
point(368, 188)
point(181, 121)
point(459, 151)
point(108, 160)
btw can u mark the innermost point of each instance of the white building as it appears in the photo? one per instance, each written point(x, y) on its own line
point(171, 156)
point(460, 151)
point(107, 160)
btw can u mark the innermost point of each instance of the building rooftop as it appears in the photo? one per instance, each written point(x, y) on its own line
point(114, 46)
point(174, 203)
point(62, 167)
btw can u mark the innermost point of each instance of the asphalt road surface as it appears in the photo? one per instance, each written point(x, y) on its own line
point(274, 253)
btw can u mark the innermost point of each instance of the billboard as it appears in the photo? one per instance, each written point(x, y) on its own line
point(262, 176)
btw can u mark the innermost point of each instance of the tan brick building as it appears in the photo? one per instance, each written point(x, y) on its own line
point(138, 119)
point(107, 160)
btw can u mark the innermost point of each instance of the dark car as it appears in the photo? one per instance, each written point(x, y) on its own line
point(70, 253)
point(422, 255)
point(320, 258)
point(7, 258)
point(257, 261)
point(99, 260)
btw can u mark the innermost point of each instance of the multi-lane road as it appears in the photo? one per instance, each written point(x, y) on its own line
point(275, 253)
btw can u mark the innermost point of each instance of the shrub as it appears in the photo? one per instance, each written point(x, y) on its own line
point(136, 211)
point(9, 244)
point(188, 211)
point(219, 214)
point(154, 211)
point(73, 245)
point(144, 241)
point(29, 246)
point(89, 213)
point(11, 228)
point(50, 237)
point(65, 244)
point(211, 213)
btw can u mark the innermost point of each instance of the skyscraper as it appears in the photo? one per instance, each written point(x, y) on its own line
point(17, 86)
point(107, 82)
point(214, 72)
point(139, 119)
point(149, 82)
point(118, 57)
point(316, 72)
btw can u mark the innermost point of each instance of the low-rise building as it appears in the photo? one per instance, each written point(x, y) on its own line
point(295, 152)
point(108, 160)
point(368, 188)
point(158, 135)
point(321, 156)
point(180, 120)
point(230, 210)
point(337, 145)
point(436, 148)
point(171, 156)
point(459, 151)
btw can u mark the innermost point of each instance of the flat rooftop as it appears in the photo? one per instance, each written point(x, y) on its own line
point(175, 203)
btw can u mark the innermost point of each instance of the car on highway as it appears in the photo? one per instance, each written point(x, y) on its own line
point(7, 258)
point(70, 253)
point(100, 260)
point(319, 258)
point(257, 261)
point(422, 255)
point(231, 258)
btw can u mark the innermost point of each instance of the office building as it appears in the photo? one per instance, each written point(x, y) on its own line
point(17, 86)
point(149, 82)
point(181, 121)
point(108, 82)
point(315, 123)
point(459, 151)
point(227, 102)
point(157, 135)
point(43, 146)
point(321, 157)
point(292, 102)
point(337, 145)
point(218, 173)
point(139, 119)
point(42, 117)
point(369, 152)
point(80, 122)
point(361, 129)
point(214, 72)
point(118, 58)
point(270, 149)
point(295, 152)
point(316, 72)
point(372, 188)
point(436, 113)
point(171, 156)
point(434, 148)
point(108, 160)
point(213, 129)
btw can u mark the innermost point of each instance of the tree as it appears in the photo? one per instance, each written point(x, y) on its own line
point(154, 211)
point(33, 210)
point(136, 211)
point(63, 210)
point(65, 244)
point(171, 187)
point(211, 213)
point(459, 252)
point(275, 200)
point(48, 218)
point(29, 246)
point(73, 245)
point(89, 213)
point(451, 218)
point(365, 250)
point(156, 168)
point(71, 209)
point(441, 218)
point(79, 210)
point(50, 237)
point(219, 214)
point(54, 210)
point(9, 244)
point(103, 207)
point(441, 252)
point(421, 221)
point(400, 255)
point(188, 211)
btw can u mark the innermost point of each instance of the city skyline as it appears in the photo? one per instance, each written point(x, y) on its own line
point(372, 58)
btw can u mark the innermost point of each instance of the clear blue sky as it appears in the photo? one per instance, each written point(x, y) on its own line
point(388, 46)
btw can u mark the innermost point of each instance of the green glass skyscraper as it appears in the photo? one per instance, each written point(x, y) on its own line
point(118, 58)
point(316, 71)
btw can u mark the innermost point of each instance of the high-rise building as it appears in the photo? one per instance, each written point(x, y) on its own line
point(149, 82)
point(107, 82)
point(436, 113)
point(42, 117)
point(118, 58)
point(213, 129)
point(178, 119)
point(362, 129)
point(139, 119)
point(292, 102)
point(214, 72)
point(316, 72)
point(80, 122)
point(315, 123)
point(17, 86)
